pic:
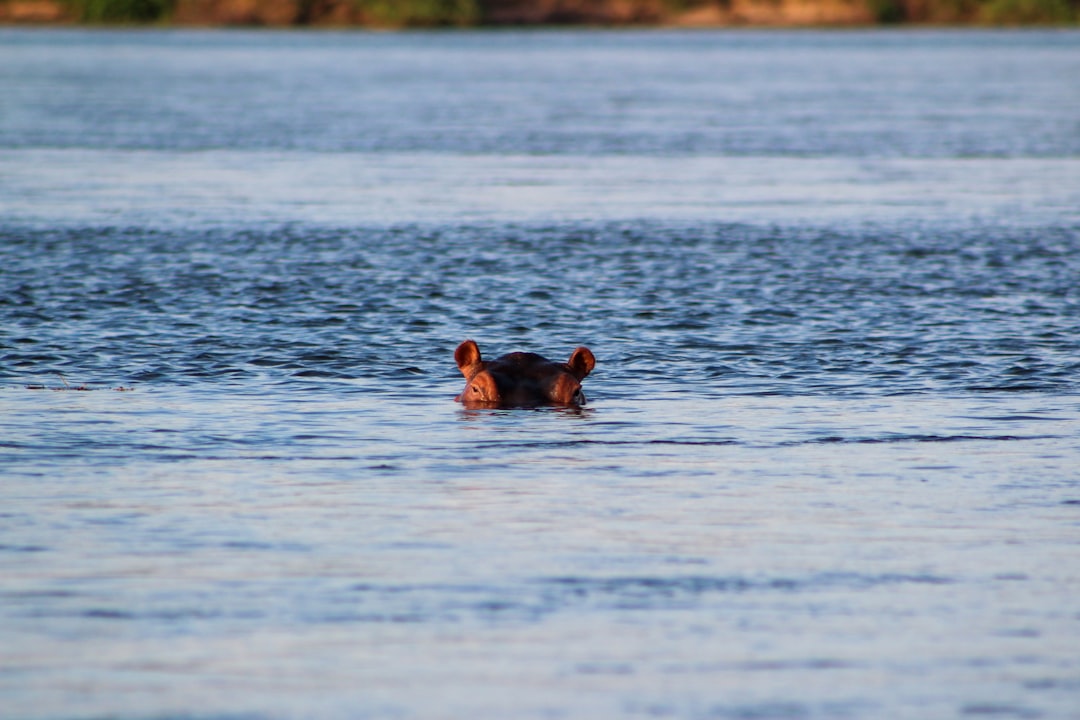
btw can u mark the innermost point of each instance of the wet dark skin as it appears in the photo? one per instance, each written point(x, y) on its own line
point(522, 379)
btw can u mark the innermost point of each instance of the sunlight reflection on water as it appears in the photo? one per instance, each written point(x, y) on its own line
point(167, 189)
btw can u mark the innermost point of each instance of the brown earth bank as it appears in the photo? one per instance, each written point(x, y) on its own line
point(427, 13)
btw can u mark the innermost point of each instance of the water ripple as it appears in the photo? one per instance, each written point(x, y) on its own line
point(714, 308)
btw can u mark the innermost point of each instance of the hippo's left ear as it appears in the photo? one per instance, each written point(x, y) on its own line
point(581, 363)
point(466, 356)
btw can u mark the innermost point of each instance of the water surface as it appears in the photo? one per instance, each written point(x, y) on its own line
point(829, 463)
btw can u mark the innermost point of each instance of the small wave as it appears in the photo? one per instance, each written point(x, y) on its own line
point(701, 585)
point(23, 548)
point(533, 599)
point(917, 438)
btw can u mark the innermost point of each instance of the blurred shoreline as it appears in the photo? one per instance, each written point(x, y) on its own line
point(399, 14)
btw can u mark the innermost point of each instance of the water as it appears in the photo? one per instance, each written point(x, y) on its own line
point(829, 463)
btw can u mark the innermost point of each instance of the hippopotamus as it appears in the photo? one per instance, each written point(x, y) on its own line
point(522, 379)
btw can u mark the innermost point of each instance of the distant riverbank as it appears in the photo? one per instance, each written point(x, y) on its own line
point(470, 13)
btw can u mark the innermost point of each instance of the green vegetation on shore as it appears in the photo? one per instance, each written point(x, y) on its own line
point(120, 11)
point(470, 13)
point(977, 12)
point(421, 12)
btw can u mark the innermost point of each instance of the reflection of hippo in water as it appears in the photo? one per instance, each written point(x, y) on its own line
point(521, 379)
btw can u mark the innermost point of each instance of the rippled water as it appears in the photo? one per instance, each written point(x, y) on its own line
point(829, 463)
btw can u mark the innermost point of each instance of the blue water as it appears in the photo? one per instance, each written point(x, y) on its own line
point(830, 463)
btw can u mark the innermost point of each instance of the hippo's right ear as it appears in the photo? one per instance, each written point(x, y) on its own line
point(581, 363)
point(467, 356)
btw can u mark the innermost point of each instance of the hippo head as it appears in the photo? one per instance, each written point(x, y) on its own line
point(521, 379)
